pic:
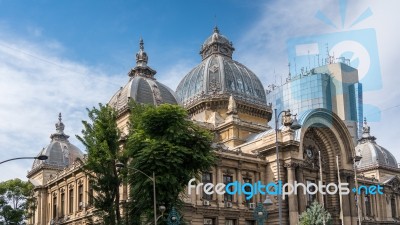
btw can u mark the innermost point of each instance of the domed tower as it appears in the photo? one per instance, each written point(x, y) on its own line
point(142, 87)
point(376, 161)
point(223, 94)
point(60, 152)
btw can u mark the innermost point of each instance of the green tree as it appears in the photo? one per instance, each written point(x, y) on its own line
point(162, 140)
point(101, 139)
point(15, 200)
point(315, 215)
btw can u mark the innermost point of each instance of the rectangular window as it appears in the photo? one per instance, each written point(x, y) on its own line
point(54, 206)
point(250, 222)
point(71, 200)
point(247, 189)
point(311, 197)
point(90, 194)
point(62, 204)
point(228, 179)
point(80, 197)
point(393, 205)
point(367, 200)
point(230, 222)
point(206, 179)
point(209, 221)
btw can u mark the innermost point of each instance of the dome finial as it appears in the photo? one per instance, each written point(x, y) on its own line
point(216, 30)
point(60, 126)
point(141, 56)
point(141, 43)
point(366, 135)
point(141, 68)
point(366, 128)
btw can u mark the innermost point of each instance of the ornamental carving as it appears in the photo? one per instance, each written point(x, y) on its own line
point(246, 175)
point(292, 164)
point(227, 171)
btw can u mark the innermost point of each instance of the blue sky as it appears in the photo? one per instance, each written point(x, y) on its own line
point(64, 56)
point(106, 32)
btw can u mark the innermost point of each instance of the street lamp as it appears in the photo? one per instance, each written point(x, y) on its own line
point(120, 165)
point(174, 218)
point(294, 125)
point(40, 157)
point(260, 214)
point(357, 158)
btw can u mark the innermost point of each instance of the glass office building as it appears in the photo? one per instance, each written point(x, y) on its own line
point(333, 86)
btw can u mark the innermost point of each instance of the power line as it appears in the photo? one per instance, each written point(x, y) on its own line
point(386, 109)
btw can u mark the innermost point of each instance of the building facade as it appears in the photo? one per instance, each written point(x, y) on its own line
point(228, 99)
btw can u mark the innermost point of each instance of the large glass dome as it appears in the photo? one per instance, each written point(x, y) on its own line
point(218, 75)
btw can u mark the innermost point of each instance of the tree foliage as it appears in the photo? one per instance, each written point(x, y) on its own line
point(101, 139)
point(162, 140)
point(315, 215)
point(15, 200)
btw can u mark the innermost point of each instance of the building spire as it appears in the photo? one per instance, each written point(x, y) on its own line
point(59, 129)
point(366, 135)
point(141, 56)
point(141, 44)
point(141, 68)
point(59, 125)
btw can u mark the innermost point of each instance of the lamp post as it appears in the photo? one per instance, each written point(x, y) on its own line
point(40, 157)
point(260, 214)
point(294, 125)
point(120, 165)
point(173, 217)
point(357, 158)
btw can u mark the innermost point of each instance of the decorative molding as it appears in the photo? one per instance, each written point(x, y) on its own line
point(291, 164)
point(227, 171)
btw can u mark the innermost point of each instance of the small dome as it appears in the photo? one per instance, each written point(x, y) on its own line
point(60, 152)
point(219, 75)
point(216, 37)
point(373, 155)
point(142, 87)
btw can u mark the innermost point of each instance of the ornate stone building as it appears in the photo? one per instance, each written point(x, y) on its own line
point(227, 98)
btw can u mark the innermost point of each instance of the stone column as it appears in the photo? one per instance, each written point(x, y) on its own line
point(346, 204)
point(257, 178)
point(219, 179)
point(293, 202)
point(300, 194)
point(353, 208)
point(240, 180)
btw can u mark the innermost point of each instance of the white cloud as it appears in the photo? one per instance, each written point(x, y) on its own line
point(263, 49)
point(36, 83)
point(175, 73)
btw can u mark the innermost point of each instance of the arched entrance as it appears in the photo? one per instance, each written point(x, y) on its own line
point(324, 134)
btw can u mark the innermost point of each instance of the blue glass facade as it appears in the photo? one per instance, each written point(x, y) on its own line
point(320, 88)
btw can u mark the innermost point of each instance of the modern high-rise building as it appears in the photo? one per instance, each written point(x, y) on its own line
point(333, 86)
